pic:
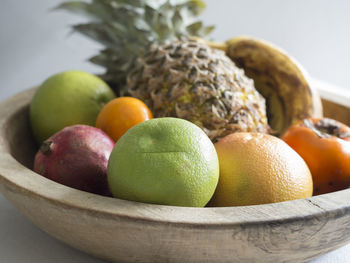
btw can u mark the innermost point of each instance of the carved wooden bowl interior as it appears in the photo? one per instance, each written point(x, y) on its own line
point(125, 231)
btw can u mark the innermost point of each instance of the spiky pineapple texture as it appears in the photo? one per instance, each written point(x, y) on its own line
point(127, 28)
point(189, 80)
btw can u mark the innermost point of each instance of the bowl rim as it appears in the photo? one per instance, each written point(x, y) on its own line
point(19, 179)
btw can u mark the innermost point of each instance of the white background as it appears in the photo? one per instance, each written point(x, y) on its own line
point(36, 43)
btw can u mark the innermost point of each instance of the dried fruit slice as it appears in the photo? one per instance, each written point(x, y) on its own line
point(278, 77)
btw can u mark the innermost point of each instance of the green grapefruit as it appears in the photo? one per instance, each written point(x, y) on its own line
point(166, 161)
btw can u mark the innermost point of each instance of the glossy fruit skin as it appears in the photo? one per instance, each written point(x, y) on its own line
point(166, 161)
point(120, 114)
point(77, 156)
point(65, 99)
point(327, 157)
point(258, 168)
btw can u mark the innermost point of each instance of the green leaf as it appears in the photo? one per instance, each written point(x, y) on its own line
point(150, 15)
point(197, 7)
point(99, 32)
point(73, 6)
point(127, 28)
point(177, 21)
point(205, 31)
point(97, 11)
point(194, 28)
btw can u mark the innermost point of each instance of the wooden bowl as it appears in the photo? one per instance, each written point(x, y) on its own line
point(125, 231)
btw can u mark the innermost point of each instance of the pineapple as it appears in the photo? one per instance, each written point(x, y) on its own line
point(150, 54)
point(189, 80)
point(127, 29)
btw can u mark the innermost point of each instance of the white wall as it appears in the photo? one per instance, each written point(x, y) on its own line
point(315, 32)
point(35, 43)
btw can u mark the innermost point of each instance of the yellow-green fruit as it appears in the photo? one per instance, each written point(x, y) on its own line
point(166, 161)
point(279, 78)
point(258, 168)
point(67, 98)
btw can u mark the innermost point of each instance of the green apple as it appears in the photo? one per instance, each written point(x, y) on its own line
point(67, 98)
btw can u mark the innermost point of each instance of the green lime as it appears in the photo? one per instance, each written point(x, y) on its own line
point(166, 161)
point(67, 98)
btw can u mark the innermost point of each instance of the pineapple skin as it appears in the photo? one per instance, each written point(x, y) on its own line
point(189, 80)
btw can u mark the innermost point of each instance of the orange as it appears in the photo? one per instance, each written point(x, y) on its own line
point(257, 168)
point(120, 114)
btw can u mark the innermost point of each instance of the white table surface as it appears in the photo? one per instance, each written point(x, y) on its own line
point(35, 43)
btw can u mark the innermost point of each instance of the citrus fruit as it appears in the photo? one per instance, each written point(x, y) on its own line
point(67, 98)
point(257, 168)
point(120, 114)
point(166, 161)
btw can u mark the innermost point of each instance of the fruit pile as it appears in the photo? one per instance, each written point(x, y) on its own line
point(180, 120)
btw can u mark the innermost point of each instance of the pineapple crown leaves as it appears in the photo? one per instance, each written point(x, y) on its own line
point(127, 28)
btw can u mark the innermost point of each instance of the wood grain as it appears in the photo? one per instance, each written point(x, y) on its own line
point(336, 111)
point(124, 231)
